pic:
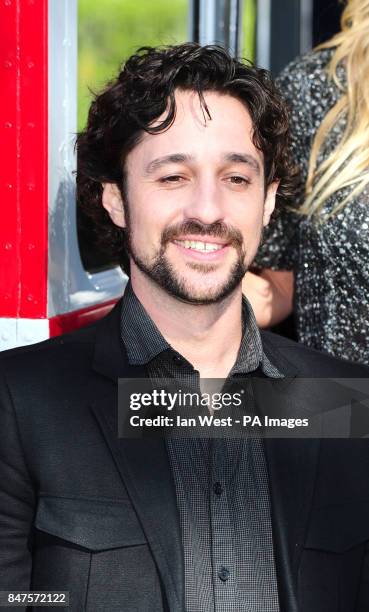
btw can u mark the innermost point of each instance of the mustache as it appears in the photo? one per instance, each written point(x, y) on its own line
point(217, 230)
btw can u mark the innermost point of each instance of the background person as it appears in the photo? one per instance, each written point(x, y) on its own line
point(323, 249)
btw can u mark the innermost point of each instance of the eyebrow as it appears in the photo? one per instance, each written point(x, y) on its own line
point(178, 158)
point(244, 158)
point(174, 158)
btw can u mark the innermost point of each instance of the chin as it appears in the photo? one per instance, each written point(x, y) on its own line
point(201, 293)
point(197, 283)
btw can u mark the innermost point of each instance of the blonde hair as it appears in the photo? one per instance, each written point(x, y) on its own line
point(348, 165)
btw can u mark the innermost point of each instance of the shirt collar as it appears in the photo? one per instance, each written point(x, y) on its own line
point(141, 337)
point(144, 342)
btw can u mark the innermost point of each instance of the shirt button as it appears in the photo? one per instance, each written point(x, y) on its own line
point(223, 574)
point(217, 488)
point(177, 360)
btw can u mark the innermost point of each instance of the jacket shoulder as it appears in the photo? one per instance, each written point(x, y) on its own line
point(67, 347)
point(309, 362)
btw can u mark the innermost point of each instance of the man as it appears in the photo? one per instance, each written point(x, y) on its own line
point(180, 164)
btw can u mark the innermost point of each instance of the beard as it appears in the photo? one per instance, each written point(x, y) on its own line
point(204, 290)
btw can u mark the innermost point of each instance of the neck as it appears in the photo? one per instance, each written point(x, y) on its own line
point(208, 336)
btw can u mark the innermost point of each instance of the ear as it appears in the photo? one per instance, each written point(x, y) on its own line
point(113, 203)
point(269, 203)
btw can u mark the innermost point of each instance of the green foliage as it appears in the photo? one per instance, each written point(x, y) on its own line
point(109, 31)
point(248, 30)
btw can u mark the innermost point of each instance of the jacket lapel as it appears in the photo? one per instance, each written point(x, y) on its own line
point(143, 465)
point(292, 466)
point(292, 470)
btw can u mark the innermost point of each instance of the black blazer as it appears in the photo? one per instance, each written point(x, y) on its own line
point(85, 512)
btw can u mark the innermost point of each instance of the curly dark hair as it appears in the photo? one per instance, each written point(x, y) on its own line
point(143, 91)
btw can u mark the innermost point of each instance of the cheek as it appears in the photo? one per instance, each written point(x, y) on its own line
point(151, 211)
point(146, 226)
point(252, 228)
point(251, 221)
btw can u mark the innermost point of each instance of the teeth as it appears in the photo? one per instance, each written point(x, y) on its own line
point(210, 246)
point(197, 245)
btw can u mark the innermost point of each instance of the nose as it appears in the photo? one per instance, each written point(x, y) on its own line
point(205, 202)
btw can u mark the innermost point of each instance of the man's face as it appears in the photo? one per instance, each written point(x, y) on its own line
point(195, 204)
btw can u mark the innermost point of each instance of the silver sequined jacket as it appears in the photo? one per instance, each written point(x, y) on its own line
point(331, 260)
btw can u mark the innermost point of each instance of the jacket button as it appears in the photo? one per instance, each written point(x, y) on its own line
point(217, 488)
point(223, 574)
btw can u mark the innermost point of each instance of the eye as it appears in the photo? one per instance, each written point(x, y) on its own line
point(238, 180)
point(173, 178)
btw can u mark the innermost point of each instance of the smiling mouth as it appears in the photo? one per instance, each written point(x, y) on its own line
point(200, 246)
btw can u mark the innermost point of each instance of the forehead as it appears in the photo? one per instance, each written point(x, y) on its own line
point(229, 128)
